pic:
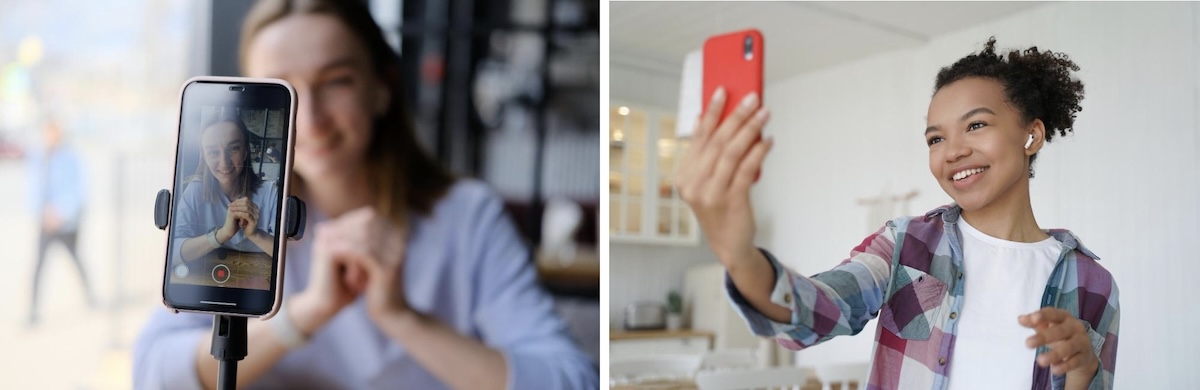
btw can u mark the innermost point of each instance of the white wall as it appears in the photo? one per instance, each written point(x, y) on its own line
point(1126, 182)
point(645, 85)
point(647, 272)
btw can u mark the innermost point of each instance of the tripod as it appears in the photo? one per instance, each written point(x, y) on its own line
point(228, 347)
point(229, 330)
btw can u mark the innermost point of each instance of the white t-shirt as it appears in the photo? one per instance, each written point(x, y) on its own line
point(1003, 280)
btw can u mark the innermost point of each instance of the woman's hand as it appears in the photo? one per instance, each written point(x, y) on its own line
point(1070, 348)
point(332, 283)
point(245, 214)
point(366, 240)
point(716, 174)
point(231, 226)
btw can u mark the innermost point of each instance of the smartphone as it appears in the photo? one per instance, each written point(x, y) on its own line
point(233, 157)
point(734, 61)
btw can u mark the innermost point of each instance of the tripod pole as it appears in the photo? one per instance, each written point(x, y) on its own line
point(228, 347)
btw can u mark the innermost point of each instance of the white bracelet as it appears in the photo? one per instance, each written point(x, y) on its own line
point(286, 330)
point(212, 239)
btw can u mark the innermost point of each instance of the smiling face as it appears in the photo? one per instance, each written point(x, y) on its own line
point(339, 94)
point(224, 149)
point(977, 143)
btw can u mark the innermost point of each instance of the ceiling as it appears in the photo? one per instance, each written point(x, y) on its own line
point(657, 35)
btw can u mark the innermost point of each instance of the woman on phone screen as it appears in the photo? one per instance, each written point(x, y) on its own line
point(221, 203)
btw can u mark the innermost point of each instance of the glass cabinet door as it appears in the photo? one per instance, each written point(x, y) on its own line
point(644, 154)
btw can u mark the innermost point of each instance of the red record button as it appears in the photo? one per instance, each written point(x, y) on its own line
point(220, 273)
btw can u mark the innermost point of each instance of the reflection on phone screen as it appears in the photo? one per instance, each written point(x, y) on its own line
point(228, 195)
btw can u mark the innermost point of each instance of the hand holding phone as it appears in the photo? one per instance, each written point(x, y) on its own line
point(716, 174)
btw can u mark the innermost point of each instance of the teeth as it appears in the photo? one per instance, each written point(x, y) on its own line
point(966, 173)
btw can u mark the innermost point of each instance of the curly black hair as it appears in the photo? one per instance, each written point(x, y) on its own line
point(1038, 83)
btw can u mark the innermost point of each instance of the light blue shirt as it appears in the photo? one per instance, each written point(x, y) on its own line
point(56, 180)
point(195, 217)
point(465, 265)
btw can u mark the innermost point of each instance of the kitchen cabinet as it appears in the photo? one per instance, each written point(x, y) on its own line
point(644, 154)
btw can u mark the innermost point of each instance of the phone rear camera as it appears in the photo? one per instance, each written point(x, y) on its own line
point(748, 48)
point(237, 88)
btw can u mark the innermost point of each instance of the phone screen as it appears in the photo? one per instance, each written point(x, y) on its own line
point(227, 209)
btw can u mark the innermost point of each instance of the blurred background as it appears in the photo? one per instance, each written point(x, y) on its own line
point(849, 84)
point(505, 91)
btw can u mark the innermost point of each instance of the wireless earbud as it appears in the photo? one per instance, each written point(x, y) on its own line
point(1029, 142)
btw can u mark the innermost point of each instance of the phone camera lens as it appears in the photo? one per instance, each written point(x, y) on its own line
point(748, 48)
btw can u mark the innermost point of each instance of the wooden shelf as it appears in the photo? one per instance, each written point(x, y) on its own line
point(659, 334)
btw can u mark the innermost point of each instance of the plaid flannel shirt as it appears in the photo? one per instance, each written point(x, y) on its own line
point(909, 274)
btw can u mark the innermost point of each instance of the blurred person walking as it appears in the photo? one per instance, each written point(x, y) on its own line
point(56, 197)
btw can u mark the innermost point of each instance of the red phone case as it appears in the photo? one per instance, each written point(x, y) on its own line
point(726, 65)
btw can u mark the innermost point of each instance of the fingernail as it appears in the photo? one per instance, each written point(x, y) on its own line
point(762, 114)
point(750, 100)
point(719, 94)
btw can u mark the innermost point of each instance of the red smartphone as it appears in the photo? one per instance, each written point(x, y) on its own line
point(734, 61)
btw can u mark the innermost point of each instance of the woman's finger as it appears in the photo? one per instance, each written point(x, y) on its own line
point(733, 153)
point(354, 277)
point(750, 165)
point(242, 218)
point(697, 137)
point(727, 128)
point(1046, 315)
point(1059, 351)
point(1071, 363)
point(711, 117)
point(746, 136)
point(687, 175)
point(1060, 331)
point(357, 258)
point(237, 208)
point(711, 155)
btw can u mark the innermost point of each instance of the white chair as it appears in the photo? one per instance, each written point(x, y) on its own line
point(761, 378)
point(843, 374)
point(665, 366)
